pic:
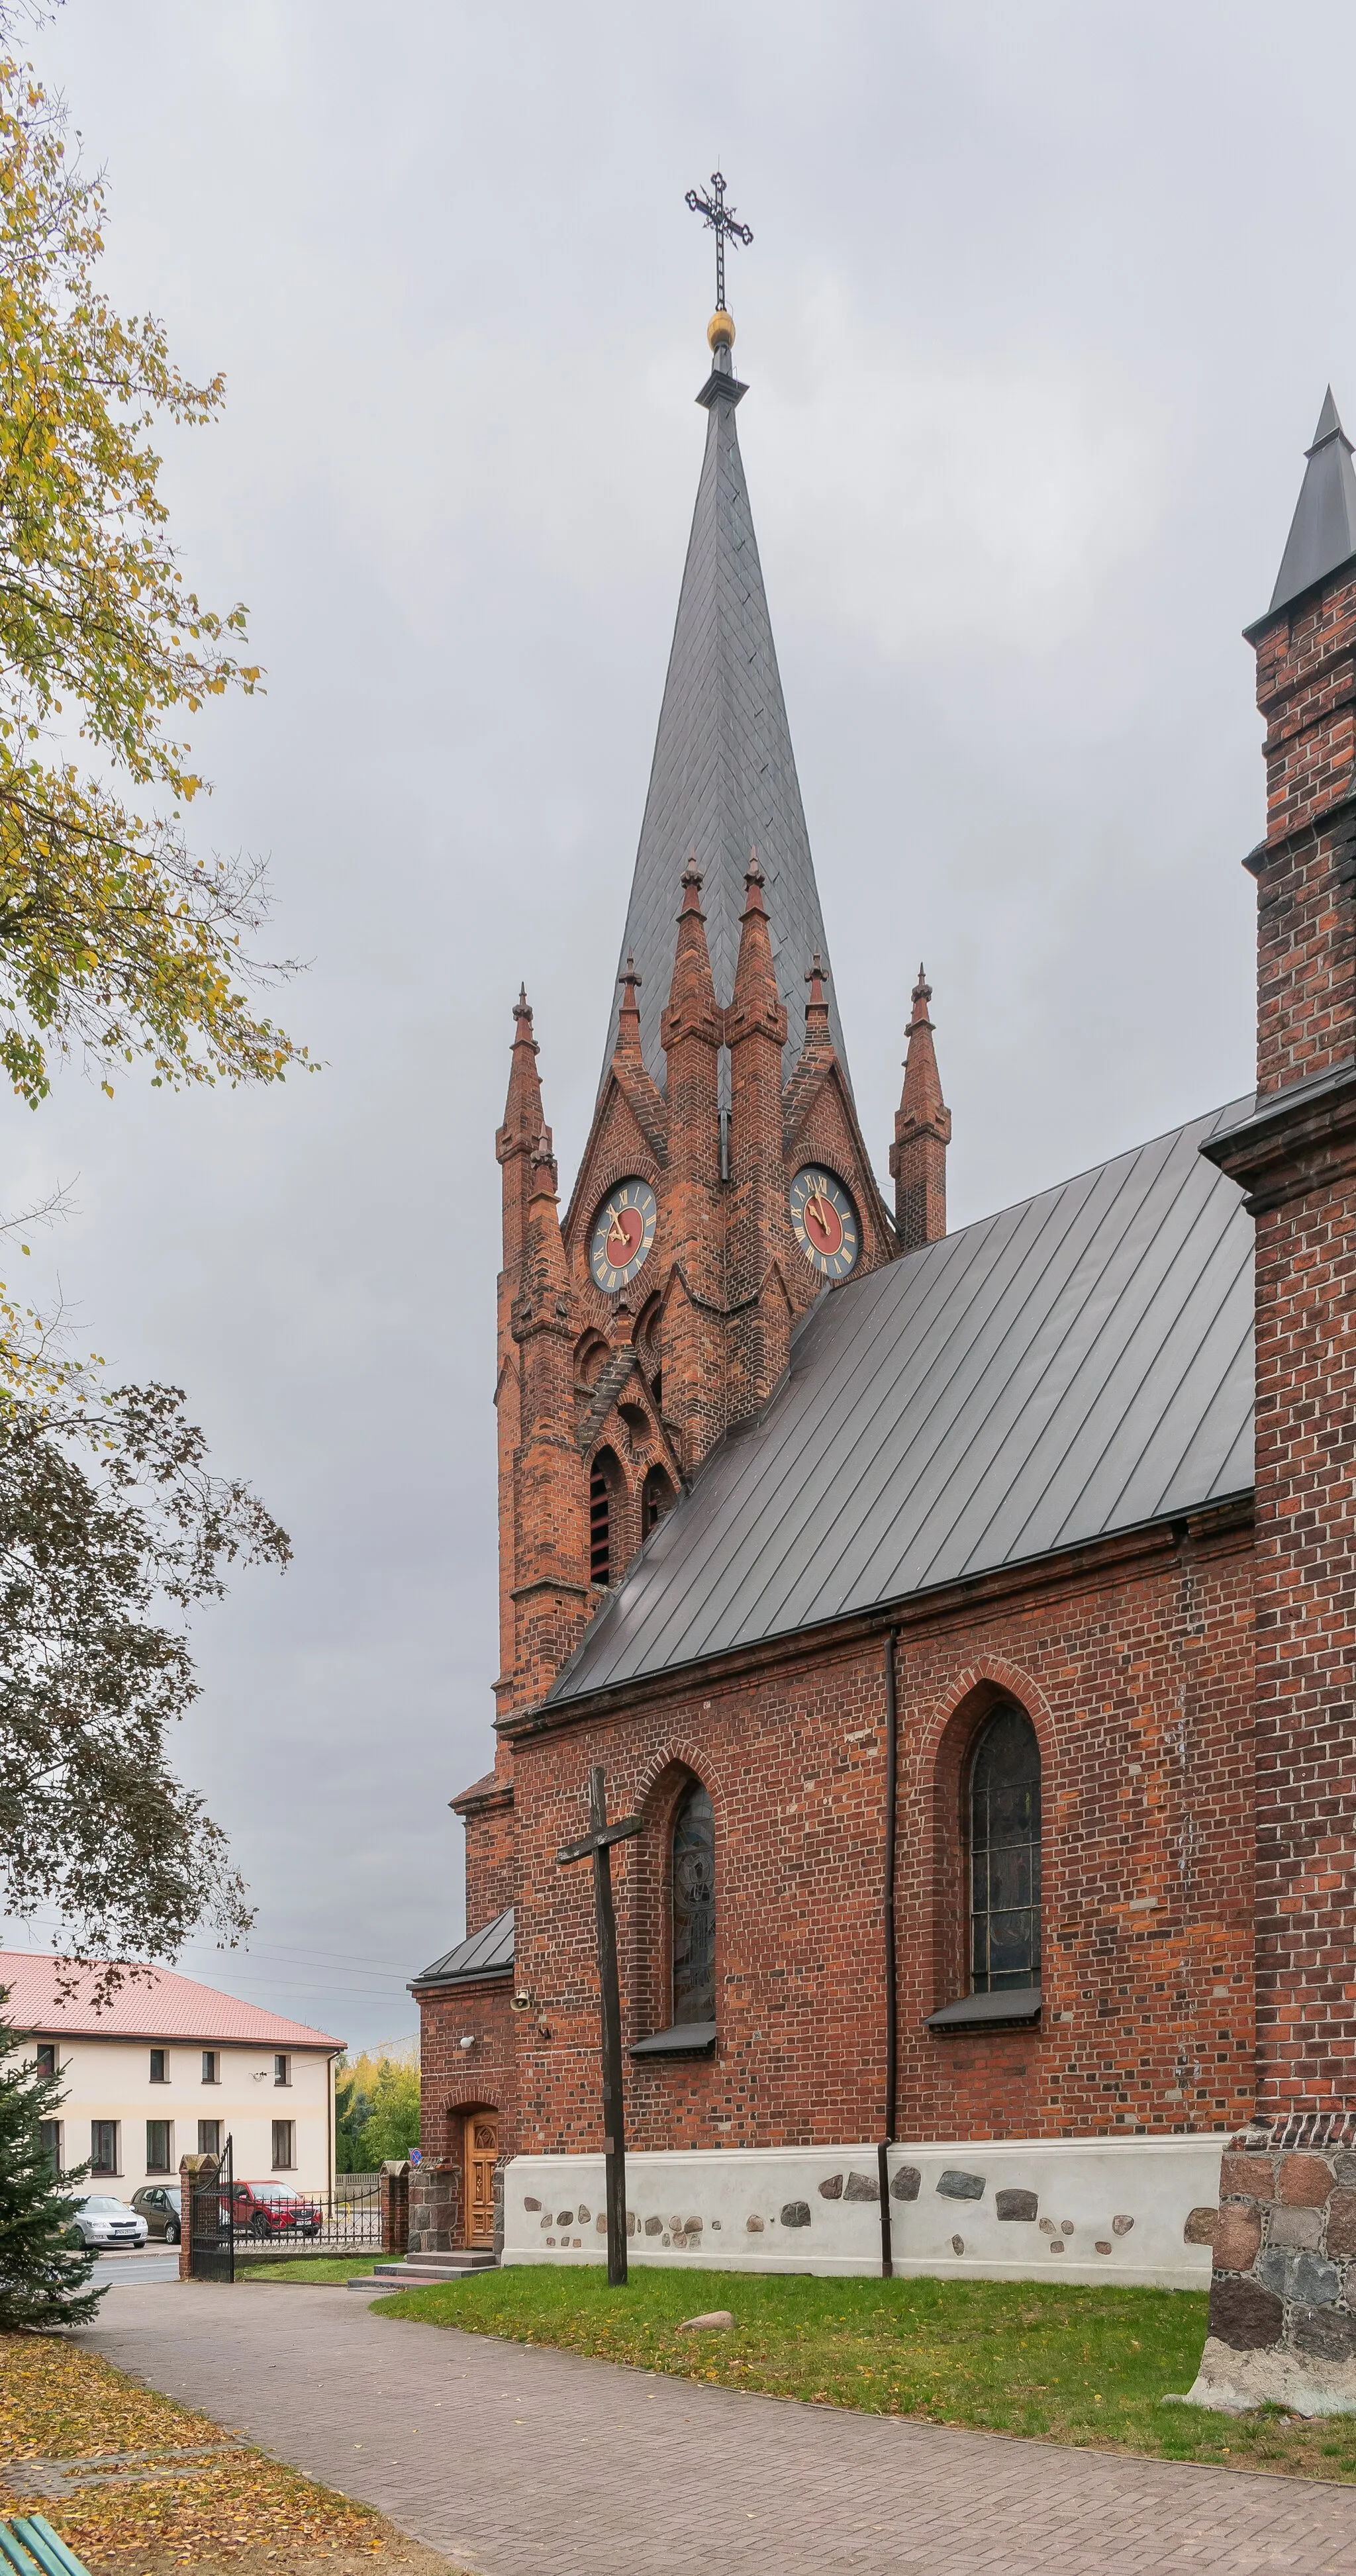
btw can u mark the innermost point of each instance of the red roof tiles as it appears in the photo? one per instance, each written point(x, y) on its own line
point(155, 2004)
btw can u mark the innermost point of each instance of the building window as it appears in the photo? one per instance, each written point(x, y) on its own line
point(157, 2146)
point(694, 1907)
point(49, 2146)
point(284, 2156)
point(211, 2066)
point(46, 2056)
point(1005, 1853)
point(209, 2137)
point(282, 2070)
point(103, 2146)
point(655, 1499)
point(158, 2075)
point(602, 1507)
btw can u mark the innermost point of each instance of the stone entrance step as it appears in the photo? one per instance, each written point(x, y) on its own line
point(416, 2271)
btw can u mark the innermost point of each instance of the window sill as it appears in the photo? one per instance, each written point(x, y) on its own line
point(686, 2039)
point(1011, 2008)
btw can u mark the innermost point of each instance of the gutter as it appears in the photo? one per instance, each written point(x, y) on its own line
point(964, 1600)
point(887, 2265)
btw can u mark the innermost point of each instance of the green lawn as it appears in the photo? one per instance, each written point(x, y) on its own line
point(317, 2269)
point(1085, 2366)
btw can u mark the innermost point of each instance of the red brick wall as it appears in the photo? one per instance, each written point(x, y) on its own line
point(1306, 999)
point(489, 1855)
point(1306, 1593)
point(454, 2081)
point(1305, 1199)
point(1137, 1676)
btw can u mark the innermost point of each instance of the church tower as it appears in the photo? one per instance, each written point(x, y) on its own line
point(725, 1184)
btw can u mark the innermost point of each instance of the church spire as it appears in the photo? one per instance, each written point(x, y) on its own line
point(724, 773)
point(922, 1134)
point(1323, 530)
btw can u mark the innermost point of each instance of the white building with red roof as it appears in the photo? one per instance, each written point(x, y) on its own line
point(167, 2068)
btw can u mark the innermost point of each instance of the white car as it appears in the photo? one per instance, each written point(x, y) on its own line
point(101, 2220)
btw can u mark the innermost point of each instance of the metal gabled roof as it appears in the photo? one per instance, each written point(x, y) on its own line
point(486, 1953)
point(1080, 1364)
point(724, 778)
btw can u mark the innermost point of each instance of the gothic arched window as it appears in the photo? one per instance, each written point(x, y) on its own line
point(602, 1514)
point(655, 1499)
point(1005, 1853)
point(694, 1907)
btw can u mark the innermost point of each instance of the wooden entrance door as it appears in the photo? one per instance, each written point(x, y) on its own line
point(482, 2148)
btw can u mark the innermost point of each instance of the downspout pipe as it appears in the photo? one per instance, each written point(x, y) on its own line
point(887, 2262)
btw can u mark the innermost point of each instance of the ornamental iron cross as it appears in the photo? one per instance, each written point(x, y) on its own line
point(597, 1846)
point(721, 218)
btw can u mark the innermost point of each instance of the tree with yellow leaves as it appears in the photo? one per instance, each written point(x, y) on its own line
point(117, 945)
point(116, 942)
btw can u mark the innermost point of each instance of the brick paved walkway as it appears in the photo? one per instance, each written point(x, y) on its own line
point(523, 2462)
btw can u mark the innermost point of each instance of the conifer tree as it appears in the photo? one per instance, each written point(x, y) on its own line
point(44, 2277)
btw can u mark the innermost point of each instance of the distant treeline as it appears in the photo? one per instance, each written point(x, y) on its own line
point(377, 2106)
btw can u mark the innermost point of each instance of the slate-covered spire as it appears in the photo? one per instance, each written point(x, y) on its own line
point(724, 773)
point(1323, 530)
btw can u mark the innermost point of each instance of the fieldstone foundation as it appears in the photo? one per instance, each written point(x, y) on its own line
point(1282, 2326)
point(434, 2208)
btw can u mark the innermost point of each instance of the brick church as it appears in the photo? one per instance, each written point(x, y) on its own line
point(968, 1616)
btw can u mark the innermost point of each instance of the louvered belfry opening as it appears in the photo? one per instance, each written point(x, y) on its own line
point(600, 1523)
point(657, 1496)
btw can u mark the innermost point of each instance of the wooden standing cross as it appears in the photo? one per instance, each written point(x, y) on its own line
point(597, 1847)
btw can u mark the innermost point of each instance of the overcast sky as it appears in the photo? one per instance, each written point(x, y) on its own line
point(1036, 324)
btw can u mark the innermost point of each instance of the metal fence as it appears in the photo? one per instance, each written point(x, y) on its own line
point(313, 2222)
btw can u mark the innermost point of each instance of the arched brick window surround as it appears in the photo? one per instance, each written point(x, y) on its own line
point(941, 1763)
point(663, 1784)
point(590, 1352)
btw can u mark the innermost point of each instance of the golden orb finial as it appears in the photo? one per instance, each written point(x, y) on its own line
point(720, 330)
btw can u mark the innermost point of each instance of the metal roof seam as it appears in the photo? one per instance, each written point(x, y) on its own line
point(1045, 1375)
point(1095, 1354)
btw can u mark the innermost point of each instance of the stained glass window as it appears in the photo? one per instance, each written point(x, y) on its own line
point(694, 1907)
point(1005, 1853)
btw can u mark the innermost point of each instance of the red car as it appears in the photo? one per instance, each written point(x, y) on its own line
point(260, 2209)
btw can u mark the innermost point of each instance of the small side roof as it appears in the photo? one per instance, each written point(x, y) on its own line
point(1079, 1365)
point(486, 1953)
point(155, 2004)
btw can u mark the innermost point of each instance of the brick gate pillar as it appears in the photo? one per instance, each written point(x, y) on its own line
point(395, 2206)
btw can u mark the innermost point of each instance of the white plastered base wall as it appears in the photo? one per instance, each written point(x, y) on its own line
point(1106, 2209)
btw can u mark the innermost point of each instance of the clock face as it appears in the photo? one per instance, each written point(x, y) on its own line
point(826, 1223)
point(623, 1231)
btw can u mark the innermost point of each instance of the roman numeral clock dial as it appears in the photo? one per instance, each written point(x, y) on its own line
point(826, 1222)
point(622, 1233)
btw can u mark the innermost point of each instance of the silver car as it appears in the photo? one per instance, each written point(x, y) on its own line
point(101, 2220)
